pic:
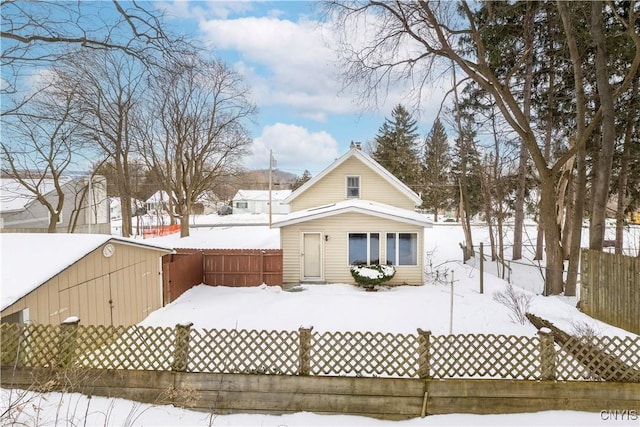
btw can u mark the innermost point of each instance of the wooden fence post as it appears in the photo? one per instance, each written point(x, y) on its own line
point(423, 353)
point(547, 355)
point(67, 344)
point(481, 268)
point(181, 347)
point(304, 351)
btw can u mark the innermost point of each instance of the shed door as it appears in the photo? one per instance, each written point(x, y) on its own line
point(311, 256)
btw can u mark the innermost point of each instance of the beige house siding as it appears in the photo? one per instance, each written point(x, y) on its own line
point(333, 187)
point(130, 279)
point(335, 249)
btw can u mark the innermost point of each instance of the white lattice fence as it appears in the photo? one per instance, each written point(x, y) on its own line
point(244, 351)
point(304, 352)
point(484, 356)
point(599, 358)
point(364, 354)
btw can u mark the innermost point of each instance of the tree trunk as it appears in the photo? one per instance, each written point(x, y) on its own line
point(553, 248)
point(605, 95)
point(580, 194)
point(524, 153)
point(466, 224)
point(624, 173)
point(184, 224)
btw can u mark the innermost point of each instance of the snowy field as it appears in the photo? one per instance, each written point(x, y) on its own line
point(437, 306)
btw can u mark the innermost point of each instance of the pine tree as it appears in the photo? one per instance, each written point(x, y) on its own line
point(306, 176)
point(436, 170)
point(395, 146)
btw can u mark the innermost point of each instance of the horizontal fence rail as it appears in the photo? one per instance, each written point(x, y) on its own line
point(305, 352)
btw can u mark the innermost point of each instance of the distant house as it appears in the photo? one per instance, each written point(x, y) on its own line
point(85, 208)
point(257, 201)
point(158, 202)
point(353, 212)
point(115, 207)
point(102, 279)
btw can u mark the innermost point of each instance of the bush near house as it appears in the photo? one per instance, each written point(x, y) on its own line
point(369, 276)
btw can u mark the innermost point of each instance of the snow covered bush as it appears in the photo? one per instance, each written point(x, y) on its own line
point(369, 276)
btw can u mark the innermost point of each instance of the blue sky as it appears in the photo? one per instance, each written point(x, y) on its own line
point(282, 50)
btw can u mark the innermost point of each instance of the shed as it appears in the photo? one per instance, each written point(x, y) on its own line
point(102, 279)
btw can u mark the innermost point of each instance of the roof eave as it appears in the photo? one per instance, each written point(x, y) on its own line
point(349, 209)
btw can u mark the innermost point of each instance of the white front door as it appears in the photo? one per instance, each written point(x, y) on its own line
point(312, 256)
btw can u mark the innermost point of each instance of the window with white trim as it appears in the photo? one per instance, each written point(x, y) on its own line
point(242, 205)
point(402, 248)
point(364, 248)
point(353, 187)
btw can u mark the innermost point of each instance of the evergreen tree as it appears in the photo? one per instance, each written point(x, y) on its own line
point(306, 176)
point(436, 170)
point(395, 146)
point(465, 169)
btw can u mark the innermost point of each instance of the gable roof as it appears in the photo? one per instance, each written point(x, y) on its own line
point(15, 197)
point(261, 195)
point(367, 161)
point(366, 207)
point(53, 252)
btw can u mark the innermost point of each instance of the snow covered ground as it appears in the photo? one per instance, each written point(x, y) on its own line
point(72, 409)
point(340, 307)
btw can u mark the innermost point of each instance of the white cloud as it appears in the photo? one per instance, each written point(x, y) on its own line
point(184, 9)
point(285, 62)
point(294, 148)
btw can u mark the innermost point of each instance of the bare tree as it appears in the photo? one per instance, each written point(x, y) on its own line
point(110, 85)
point(36, 34)
point(406, 41)
point(38, 148)
point(198, 136)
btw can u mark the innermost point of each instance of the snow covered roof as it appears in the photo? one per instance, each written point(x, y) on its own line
point(15, 197)
point(355, 205)
point(158, 196)
point(369, 162)
point(261, 195)
point(30, 259)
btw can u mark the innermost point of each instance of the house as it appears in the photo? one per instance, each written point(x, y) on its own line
point(257, 201)
point(115, 207)
point(102, 279)
point(85, 208)
point(353, 212)
point(158, 202)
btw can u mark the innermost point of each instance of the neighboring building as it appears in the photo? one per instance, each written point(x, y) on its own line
point(102, 279)
point(85, 208)
point(354, 211)
point(115, 208)
point(158, 203)
point(257, 201)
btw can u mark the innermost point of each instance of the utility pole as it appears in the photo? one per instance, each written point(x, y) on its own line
point(270, 184)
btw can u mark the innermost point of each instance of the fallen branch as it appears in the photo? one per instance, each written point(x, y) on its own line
point(600, 364)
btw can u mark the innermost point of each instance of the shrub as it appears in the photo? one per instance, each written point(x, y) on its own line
point(518, 302)
point(369, 276)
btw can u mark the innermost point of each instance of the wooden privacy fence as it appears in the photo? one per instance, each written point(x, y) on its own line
point(304, 352)
point(610, 288)
point(219, 267)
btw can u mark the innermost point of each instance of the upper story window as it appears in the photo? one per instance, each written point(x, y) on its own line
point(353, 187)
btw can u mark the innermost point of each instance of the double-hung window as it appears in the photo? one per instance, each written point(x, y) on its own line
point(353, 187)
point(402, 248)
point(364, 248)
